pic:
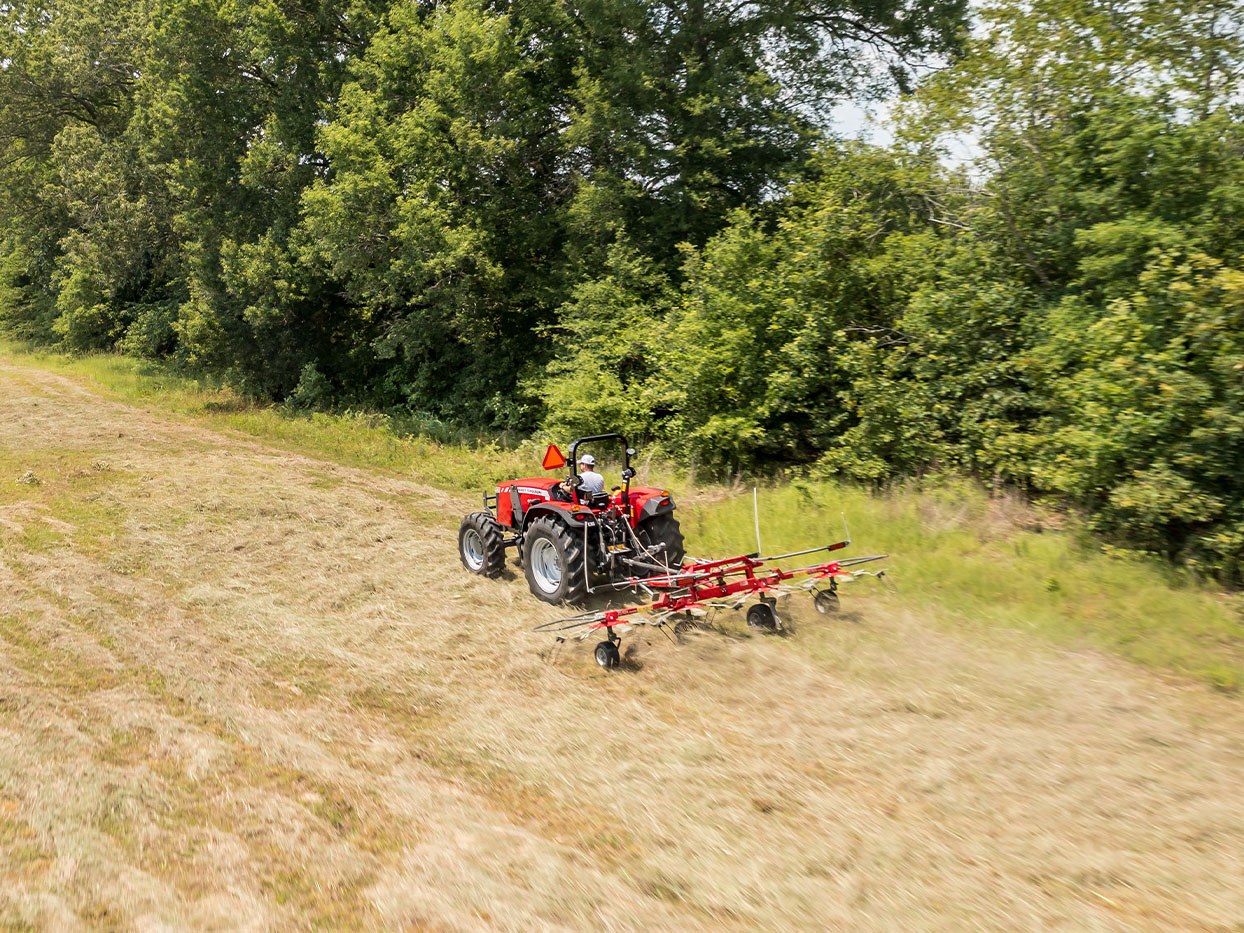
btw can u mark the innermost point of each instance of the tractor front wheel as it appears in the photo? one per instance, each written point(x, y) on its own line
point(481, 545)
point(554, 562)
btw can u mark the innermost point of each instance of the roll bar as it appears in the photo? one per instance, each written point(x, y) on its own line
point(628, 452)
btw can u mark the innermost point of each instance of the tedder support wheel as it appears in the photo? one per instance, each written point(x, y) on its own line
point(553, 561)
point(481, 545)
point(607, 655)
point(825, 601)
point(663, 530)
point(762, 616)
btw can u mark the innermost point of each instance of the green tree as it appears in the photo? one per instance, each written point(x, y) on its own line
point(1085, 112)
point(1147, 431)
point(228, 113)
point(79, 214)
point(1112, 166)
point(613, 332)
point(757, 365)
point(701, 107)
point(487, 156)
point(948, 385)
point(439, 220)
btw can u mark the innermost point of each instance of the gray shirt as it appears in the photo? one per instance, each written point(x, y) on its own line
point(593, 483)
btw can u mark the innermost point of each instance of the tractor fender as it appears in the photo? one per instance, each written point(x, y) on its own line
point(564, 512)
point(655, 505)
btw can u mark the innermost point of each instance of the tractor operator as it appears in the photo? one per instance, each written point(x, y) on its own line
point(592, 483)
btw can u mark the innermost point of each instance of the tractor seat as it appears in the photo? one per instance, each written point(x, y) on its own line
point(598, 501)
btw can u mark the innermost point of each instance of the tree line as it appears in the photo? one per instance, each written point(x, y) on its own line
point(629, 215)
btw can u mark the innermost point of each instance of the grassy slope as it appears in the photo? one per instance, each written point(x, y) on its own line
point(241, 687)
point(972, 561)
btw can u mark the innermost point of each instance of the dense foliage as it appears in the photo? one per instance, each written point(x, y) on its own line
point(627, 214)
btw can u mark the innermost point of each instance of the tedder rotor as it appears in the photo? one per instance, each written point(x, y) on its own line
point(701, 587)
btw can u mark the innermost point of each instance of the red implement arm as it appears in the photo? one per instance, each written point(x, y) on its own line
point(700, 583)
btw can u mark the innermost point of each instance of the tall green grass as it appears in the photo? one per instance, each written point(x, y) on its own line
point(362, 439)
point(973, 561)
point(969, 560)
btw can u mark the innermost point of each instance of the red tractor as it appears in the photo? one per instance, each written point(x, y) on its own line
point(571, 543)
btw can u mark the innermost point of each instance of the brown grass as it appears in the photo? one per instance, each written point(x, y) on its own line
point(245, 688)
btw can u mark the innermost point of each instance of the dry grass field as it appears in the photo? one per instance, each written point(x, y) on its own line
point(247, 689)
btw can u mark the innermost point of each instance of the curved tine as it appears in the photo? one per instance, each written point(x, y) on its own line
point(631, 583)
point(633, 586)
point(657, 618)
point(585, 614)
point(852, 561)
point(562, 625)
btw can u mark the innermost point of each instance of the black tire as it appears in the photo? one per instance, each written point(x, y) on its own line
point(553, 562)
point(663, 530)
point(762, 616)
point(607, 655)
point(825, 601)
point(481, 545)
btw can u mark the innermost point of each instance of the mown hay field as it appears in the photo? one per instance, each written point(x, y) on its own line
point(246, 687)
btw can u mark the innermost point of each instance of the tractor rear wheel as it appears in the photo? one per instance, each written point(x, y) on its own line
point(663, 536)
point(554, 562)
point(480, 545)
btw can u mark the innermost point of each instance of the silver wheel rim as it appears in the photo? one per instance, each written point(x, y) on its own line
point(473, 549)
point(546, 568)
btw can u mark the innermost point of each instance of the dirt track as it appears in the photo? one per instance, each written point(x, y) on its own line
point(241, 688)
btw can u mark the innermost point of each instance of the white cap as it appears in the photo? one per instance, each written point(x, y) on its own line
point(588, 460)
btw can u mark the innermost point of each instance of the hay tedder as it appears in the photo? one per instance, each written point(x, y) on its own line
point(573, 545)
